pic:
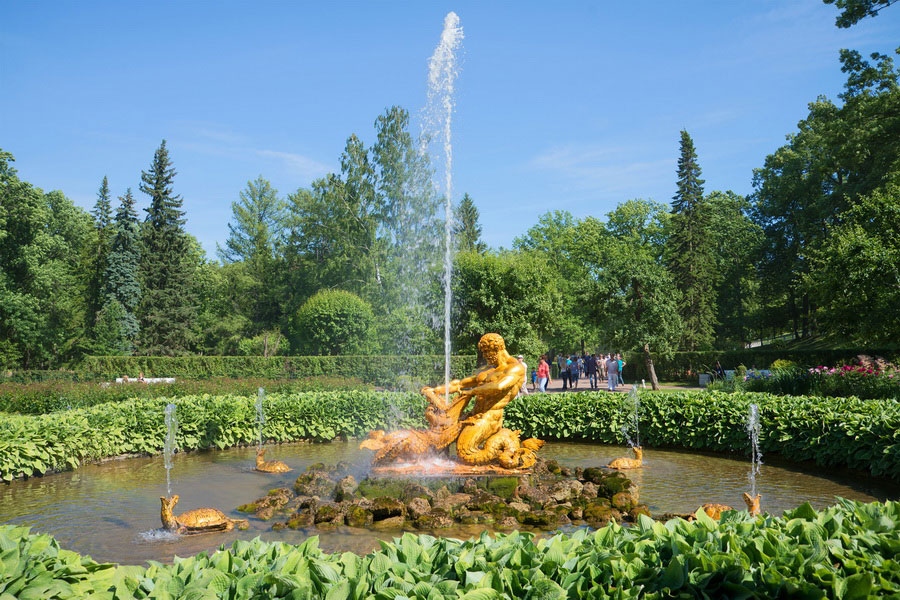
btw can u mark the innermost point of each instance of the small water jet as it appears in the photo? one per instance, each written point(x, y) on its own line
point(169, 444)
point(753, 498)
point(271, 466)
point(260, 417)
point(631, 425)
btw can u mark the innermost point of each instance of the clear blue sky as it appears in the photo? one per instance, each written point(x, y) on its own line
point(571, 105)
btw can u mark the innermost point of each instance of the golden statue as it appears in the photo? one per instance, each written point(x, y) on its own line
point(480, 437)
point(629, 463)
point(271, 466)
point(199, 520)
point(715, 510)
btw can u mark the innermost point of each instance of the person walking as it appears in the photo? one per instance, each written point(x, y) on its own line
point(563, 370)
point(523, 391)
point(612, 373)
point(590, 370)
point(573, 372)
point(621, 366)
point(543, 373)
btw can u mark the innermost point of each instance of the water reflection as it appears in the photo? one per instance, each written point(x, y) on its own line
point(104, 509)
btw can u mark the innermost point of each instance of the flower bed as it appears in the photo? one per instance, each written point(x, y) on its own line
point(868, 381)
point(847, 551)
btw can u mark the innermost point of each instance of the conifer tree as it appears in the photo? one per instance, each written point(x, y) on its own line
point(167, 311)
point(467, 231)
point(690, 257)
point(122, 290)
point(103, 224)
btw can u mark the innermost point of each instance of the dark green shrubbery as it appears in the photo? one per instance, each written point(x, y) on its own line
point(845, 552)
point(845, 432)
point(375, 369)
point(38, 398)
point(334, 322)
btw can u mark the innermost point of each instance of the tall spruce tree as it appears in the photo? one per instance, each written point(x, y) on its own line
point(690, 256)
point(122, 281)
point(254, 232)
point(167, 311)
point(103, 225)
point(467, 231)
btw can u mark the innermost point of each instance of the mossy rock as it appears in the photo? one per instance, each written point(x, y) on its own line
point(390, 523)
point(637, 511)
point(505, 487)
point(594, 475)
point(614, 485)
point(507, 523)
point(319, 466)
point(415, 490)
point(377, 488)
point(553, 467)
point(597, 513)
point(328, 513)
point(279, 492)
point(623, 501)
point(357, 516)
point(436, 519)
point(314, 483)
point(384, 507)
point(301, 520)
point(250, 507)
point(539, 518)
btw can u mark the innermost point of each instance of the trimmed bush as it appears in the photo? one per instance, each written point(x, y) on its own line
point(374, 369)
point(848, 551)
point(334, 322)
point(676, 367)
point(39, 398)
point(844, 432)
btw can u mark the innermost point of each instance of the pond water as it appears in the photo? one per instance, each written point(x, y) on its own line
point(111, 510)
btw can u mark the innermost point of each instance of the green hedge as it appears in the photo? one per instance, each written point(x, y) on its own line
point(38, 376)
point(379, 370)
point(676, 368)
point(846, 552)
point(39, 398)
point(846, 432)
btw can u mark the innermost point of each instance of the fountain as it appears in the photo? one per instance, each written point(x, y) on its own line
point(199, 520)
point(753, 498)
point(635, 445)
point(483, 445)
point(169, 445)
point(271, 466)
point(442, 73)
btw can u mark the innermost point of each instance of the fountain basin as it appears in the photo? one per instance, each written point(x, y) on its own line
point(103, 509)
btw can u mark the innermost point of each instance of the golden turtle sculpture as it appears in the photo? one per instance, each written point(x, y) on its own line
point(199, 520)
point(715, 510)
point(271, 466)
point(629, 463)
point(480, 436)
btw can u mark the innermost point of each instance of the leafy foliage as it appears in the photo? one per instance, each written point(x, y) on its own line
point(334, 322)
point(847, 552)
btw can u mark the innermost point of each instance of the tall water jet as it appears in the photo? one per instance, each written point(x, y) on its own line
point(260, 417)
point(634, 406)
point(169, 444)
point(755, 454)
point(442, 72)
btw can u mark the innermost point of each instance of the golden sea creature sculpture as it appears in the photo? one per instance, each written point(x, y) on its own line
point(271, 466)
point(629, 463)
point(715, 510)
point(480, 436)
point(752, 503)
point(199, 520)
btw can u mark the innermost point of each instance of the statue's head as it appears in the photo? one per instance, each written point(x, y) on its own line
point(491, 345)
point(752, 503)
point(168, 519)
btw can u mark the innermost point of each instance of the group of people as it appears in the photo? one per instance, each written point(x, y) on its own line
point(572, 368)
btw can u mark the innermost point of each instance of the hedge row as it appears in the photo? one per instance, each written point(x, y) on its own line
point(686, 365)
point(847, 432)
point(846, 552)
point(39, 398)
point(376, 369)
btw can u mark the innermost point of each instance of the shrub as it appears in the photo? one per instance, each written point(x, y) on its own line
point(334, 322)
point(846, 551)
point(846, 432)
point(38, 398)
point(780, 364)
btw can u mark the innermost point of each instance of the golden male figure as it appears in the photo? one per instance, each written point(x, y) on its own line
point(483, 438)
